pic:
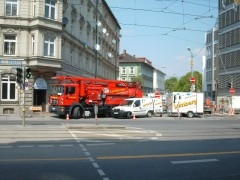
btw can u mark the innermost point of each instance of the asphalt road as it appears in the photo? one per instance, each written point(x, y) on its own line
point(166, 148)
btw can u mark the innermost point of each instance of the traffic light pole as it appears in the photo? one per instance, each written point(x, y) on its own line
point(23, 109)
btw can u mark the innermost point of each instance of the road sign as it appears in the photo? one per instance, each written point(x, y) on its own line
point(157, 94)
point(192, 80)
point(232, 91)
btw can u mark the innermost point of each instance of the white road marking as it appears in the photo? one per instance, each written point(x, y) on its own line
point(100, 172)
point(66, 145)
point(25, 146)
point(88, 155)
point(100, 144)
point(95, 165)
point(194, 161)
point(45, 146)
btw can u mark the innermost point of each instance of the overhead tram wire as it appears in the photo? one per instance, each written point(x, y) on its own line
point(158, 11)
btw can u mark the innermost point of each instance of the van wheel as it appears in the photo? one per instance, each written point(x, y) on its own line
point(190, 114)
point(149, 114)
point(129, 115)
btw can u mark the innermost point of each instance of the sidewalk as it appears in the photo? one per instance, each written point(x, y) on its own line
point(40, 115)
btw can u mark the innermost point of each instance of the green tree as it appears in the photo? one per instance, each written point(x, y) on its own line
point(183, 84)
point(171, 84)
point(138, 79)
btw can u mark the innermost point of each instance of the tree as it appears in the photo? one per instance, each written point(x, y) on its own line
point(138, 79)
point(171, 84)
point(183, 84)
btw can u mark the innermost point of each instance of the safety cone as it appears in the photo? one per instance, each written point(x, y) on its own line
point(67, 118)
point(134, 117)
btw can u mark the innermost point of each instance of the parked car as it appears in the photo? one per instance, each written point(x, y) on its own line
point(207, 110)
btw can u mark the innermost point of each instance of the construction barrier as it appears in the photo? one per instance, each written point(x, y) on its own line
point(231, 111)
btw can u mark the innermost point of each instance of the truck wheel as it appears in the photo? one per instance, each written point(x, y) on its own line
point(129, 115)
point(76, 113)
point(190, 114)
point(149, 114)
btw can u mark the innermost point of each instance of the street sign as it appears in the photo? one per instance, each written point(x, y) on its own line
point(232, 91)
point(157, 94)
point(192, 80)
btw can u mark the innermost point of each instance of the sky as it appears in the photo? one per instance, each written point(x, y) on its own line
point(163, 30)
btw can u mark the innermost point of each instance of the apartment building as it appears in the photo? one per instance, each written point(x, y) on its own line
point(131, 67)
point(53, 37)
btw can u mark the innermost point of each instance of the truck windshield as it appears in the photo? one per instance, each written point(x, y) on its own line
point(126, 103)
point(56, 89)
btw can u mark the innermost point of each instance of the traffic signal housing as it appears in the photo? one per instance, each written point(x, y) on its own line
point(28, 73)
point(229, 85)
point(19, 78)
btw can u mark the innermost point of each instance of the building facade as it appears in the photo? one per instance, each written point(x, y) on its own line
point(210, 64)
point(229, 47)
point(131, 67)
point(53, 37)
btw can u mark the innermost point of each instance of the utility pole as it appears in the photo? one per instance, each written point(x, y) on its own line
point(191, 65)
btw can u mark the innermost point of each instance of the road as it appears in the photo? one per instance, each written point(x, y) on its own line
point(156, 148)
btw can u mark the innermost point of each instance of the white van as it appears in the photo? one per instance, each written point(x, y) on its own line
point(138, 107)
point(187, 104)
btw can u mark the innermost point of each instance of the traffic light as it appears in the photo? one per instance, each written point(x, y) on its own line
point(19, 76)
point(229, 85)
point(28, 73)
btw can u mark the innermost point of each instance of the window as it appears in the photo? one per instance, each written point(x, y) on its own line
point(34, 9)
point(9, 44)
point(8, 85)
point(33, 44)
point(11, 7)
point(50, 9)
point(123, 70)
point(49, 46)
point(131, 70)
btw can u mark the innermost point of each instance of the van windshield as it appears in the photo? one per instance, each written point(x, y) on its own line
point(126, 103)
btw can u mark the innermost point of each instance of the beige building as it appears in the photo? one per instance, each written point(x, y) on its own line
point(53, 37)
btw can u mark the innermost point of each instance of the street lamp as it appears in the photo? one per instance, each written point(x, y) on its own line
point(191, 65)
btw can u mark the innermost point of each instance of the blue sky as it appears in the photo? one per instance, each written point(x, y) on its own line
point(162, 30)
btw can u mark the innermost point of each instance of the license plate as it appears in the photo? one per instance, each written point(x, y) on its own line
point(115, 112)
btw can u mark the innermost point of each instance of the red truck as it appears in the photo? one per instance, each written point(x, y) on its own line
point(78, 96)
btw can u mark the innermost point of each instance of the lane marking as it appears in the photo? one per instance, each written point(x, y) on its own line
point(87, 153)
point(194, 161)
point(167, 155)
point(46, 146)
point(95, 165)
point(25, 146)
point(66, 145)
point(89, 157)
point(101, 172)
point(100, 144)
point(44, 159)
